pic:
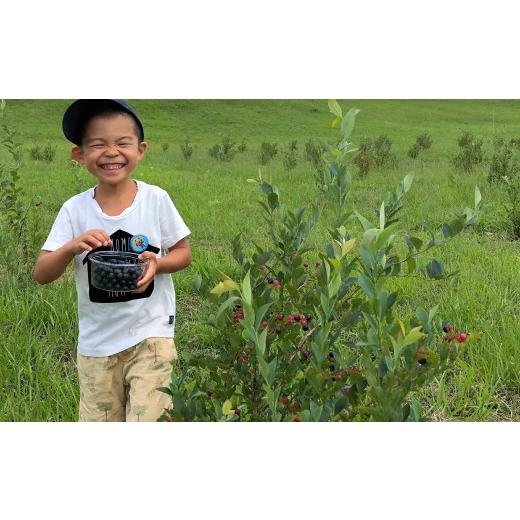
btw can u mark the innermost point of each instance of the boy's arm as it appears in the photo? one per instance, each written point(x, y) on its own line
point(178, 257)
point(50, 265)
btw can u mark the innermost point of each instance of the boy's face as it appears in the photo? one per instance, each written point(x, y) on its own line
point(110, 148)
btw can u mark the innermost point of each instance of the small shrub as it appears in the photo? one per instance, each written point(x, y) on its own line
point(365, 159)
point(503, 164)
point(289, 156)
point(424, 141)
point(414, 150)
point(187, 150)
point(268, 151)
point(513, 191)
point(225, 151)
point(165, 146)
point(470, 153)
point(313, 153)
point(43, 153)
point(242, 147)
point(383, 155)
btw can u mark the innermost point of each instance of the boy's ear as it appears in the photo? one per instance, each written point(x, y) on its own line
point(142, 148)
point(77, 154)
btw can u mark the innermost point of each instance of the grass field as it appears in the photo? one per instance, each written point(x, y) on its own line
point(39, 324)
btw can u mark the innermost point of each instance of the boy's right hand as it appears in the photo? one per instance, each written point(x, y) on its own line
point(90, 240)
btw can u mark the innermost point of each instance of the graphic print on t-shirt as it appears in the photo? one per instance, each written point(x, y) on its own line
point(121, 241)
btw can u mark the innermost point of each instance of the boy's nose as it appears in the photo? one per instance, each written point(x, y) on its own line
point(112, 150)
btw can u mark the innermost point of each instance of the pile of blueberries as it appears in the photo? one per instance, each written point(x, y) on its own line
point(117, 277)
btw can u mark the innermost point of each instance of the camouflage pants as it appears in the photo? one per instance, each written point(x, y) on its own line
point(123, 387)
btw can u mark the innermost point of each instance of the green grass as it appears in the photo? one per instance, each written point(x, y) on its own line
point(39, 323)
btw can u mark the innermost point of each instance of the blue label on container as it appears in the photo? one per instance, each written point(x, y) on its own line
point(139, 243)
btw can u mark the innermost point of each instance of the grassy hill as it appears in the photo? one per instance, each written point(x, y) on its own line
point(39, 323)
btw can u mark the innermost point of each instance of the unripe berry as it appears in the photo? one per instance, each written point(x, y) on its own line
point(447, 327)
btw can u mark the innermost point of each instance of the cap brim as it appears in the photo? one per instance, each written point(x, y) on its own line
point(82, 110)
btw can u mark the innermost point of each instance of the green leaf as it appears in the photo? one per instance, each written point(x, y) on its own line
point(435, 269)
point(413, 336)
point(335, 108)
point(225, 305)
point(347, 125)
point(226, 286)
point(316, 411)
point(260, 313)
point(407, 182)
point(385, 236)
point(478, 197)
point(226, 407)
point(364, 222)
point(266, 188)
point(272, 200)
point(271, 371)
point(382, 216)
point(336, 122)
point(367, 285)
point(246, 289)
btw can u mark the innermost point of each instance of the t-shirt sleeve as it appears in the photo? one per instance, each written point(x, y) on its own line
point(173, 227)
point(61, 231)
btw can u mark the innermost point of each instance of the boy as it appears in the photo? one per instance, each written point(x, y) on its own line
point(125, 345)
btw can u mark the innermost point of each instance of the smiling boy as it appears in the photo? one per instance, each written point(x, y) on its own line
point(125, 344)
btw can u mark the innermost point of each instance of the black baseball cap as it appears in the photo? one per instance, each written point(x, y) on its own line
point(82, 110)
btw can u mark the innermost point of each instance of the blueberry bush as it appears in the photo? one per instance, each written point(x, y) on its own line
point(306, 337)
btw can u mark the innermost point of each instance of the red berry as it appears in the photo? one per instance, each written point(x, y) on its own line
point(237, 411)
point(279, 316)
point(297, 418)
point(318, 263)
point(297, 405)
point(264, 325)
point(285, 400)
point(462, 337)
point(290, 319)
point(421, 350)
point(169, 418)
point(305, 265)
point(447, 327)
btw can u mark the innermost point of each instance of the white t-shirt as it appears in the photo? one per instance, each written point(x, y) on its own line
point(111, 322)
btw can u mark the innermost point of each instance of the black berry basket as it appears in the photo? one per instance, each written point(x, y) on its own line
point(116, 270)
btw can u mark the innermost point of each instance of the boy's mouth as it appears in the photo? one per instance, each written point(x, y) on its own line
point(112, 166)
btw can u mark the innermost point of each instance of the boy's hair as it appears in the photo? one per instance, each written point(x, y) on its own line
point(81, 112)
point(108, 112)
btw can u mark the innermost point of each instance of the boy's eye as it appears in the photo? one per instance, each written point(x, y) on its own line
point(97, 145)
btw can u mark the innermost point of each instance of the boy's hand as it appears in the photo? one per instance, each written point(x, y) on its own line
point(90, 240)
point(149, 274)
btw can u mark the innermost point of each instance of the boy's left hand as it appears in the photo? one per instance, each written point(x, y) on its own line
point(149, 274)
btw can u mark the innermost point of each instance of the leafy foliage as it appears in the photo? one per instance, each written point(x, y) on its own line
point(470, 153)
point(224, 151)
point(306, 337)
